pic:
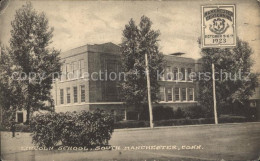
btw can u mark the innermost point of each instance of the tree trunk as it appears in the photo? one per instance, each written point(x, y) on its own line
point(28, 114)
point(28, 108)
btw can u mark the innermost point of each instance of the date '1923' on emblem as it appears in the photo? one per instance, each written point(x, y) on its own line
point(218, 26)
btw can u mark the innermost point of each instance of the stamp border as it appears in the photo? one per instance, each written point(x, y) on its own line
point(203, 45)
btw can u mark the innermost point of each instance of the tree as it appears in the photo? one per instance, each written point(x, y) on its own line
point(136, 42)
point(5, 71)
point(35, 62)
point(234, 82)
point(10, 91)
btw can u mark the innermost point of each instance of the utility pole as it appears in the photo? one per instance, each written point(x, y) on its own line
point(214, 94)
point(149, 91)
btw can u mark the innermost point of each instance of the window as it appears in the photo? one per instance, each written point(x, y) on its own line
point(177, 94)
point(189, 74)
point(61, 96)
point(61, 69)
point(68, 71)
point(182, 74)
point(168, 73)
point(183, 94)
point(162, 94)
point(82, 93)
point(175, 73)
point(190, 94)
point(162, 76)
point(75, 94)
point(63, 72)
point(75, 69)
point(169, 94)
point(81, 68)
point(68, 95)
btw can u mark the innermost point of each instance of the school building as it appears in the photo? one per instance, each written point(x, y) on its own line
point(88, 80)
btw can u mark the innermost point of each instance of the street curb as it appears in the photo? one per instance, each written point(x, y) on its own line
point(182, 126)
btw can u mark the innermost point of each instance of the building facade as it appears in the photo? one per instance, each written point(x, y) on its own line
point(84, 83)
point(177, 86)
point(91, 75)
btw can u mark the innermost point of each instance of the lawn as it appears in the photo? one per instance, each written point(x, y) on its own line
point(239, 141)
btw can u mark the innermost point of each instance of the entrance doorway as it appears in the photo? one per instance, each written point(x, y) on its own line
point(20, 117)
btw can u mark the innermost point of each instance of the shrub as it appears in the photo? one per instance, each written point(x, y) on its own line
point(47, 128)
point(119, 117)
point(163, 113)
point(88, 129)
point(131, 124)
point(8, 116)
point(186, 121)
point(179, 113)
point(232, 119)
point(72, 129)
point(22, 128)
point(2, 128)
point(159, 113)
point(194, 112)
point(177, 122)
point(167, 113)
point(132, 115)
point(170, 122)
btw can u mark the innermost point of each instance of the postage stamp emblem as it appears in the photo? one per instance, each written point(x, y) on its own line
point(218, 26)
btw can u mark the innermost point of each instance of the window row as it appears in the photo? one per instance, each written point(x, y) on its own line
point(72, 70)
point(177, 74)
point(176, 94)
point(74, 98)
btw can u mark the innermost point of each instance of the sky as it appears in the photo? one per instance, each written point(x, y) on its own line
point(77, 23)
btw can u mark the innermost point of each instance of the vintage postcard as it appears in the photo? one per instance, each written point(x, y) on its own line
point(130, 80)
